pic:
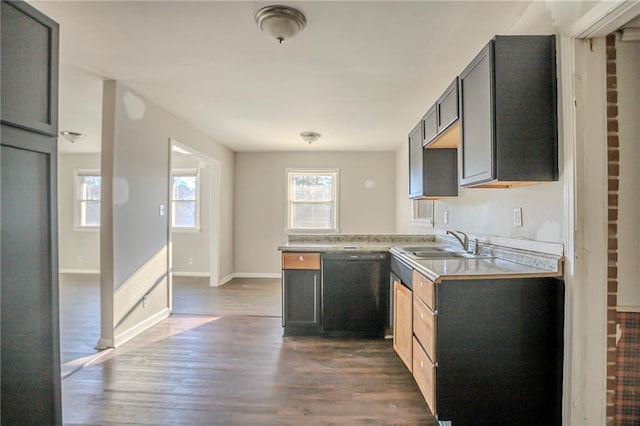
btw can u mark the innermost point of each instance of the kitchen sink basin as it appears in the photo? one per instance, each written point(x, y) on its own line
point(440, 253)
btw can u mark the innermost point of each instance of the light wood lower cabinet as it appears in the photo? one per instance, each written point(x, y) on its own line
point(424, 372)
point(424, 326)
point(402, 323)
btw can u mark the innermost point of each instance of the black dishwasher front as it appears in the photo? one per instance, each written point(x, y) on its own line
point(354, 293)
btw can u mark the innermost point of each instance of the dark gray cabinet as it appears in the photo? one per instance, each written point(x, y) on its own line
point(498, 351)
point(29, 69)
point(433, 173)
point(441, 116)
point(29, 350)
point(301, 300)
point(509, 113)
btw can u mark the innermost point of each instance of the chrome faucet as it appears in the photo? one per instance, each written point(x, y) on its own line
point(464, 242)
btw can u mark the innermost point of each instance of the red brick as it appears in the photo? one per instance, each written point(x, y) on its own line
point(612, 199)
point(611, 67)
point(611, 421)
point(612, 214)
point(612, 96)
point(613, 229)
point(613, 169)
point(610, 40)
point(611, 328)
point(612, 243)
point(613, 184)
point(612, 286)
point(612, 272)
point(612, 300)
point(611, 54)
point(611, 411)
point(612, 314)
point(613, 154)
point(611, 397)
point(612, 141)
point(612, 82)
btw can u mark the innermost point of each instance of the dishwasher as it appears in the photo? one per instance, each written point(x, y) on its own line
point(354, 293)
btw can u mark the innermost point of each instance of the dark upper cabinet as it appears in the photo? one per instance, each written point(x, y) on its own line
point(441, 116)
point(430, 125)
point(29, 69)
point(416, 163)
point(433, 173)
point(509, 113)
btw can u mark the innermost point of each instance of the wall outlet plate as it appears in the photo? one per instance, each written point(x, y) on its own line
point(517, 217)
point(446, 216)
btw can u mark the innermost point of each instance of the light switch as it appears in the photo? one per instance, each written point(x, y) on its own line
point(161, 209)
point(517, 217)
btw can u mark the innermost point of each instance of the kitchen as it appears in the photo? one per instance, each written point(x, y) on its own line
point(489, 212)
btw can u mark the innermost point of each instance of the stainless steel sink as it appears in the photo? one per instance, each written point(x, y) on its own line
point(439, 253)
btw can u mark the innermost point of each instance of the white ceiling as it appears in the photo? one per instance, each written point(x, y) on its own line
point(361, 73)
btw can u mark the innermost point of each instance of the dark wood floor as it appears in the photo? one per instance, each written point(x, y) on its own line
point(240, 296)
point(238, 370)
point(221, 359)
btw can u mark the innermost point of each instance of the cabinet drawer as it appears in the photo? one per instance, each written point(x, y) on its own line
point(425, 289)
point(424, 327)
point(424, 373)
point(300, 261)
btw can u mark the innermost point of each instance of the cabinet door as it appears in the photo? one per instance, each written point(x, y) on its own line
point(448, 107)
point(477, 119)
point(301, 298)
point(29, 68)
point(430, 125)
point(403, 323)
point(416, 162)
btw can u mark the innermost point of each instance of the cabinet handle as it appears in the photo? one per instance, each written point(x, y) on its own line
point(301, 259)
point(421, 364)
point(421, 283)
point(421, 315)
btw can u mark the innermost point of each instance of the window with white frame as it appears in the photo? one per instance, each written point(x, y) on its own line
point(312, 200)
point(185, 199)
point(87, 199)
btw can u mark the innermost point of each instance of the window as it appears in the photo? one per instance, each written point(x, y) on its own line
point(312, 202)
point(185, 200)
point(422, 212)
point(87, 191)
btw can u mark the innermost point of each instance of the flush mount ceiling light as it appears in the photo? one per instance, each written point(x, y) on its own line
point(310, 137)
point(71, 136)
point(280, 22)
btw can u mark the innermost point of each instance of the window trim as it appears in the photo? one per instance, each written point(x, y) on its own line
point(289, 173)
point(191, 171)
point(428, 220)
point(77, 175)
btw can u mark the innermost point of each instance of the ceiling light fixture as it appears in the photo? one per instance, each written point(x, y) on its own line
point(280, 22)
point(310, 137)
point(72, 136)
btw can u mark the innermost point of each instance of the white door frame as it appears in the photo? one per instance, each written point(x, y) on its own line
point(214, 216)
point(585, 217)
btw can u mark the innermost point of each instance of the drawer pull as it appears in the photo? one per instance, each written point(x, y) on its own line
point(421, 315)
point(421, 364)
point(301, 259)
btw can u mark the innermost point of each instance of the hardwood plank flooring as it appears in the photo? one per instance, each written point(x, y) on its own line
point(240, 296)
point(239, 370)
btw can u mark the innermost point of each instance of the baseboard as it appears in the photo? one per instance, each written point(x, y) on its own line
point(124, 337)
point(80, 271)
point(192, 274)
point(249, 275)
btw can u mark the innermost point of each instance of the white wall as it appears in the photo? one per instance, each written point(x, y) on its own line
point(628, 64)
point(261, 197)
point(134, 235)
point(79, 250)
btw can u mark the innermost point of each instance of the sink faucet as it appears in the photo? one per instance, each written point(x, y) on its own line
point(464, 242)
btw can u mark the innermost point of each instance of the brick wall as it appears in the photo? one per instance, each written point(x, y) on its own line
point(613, 165)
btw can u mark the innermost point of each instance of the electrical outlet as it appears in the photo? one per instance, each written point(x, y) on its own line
point(517, 217)
point(145, 300)
point(190, 261)
point(446, 216)
point(161, 209)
